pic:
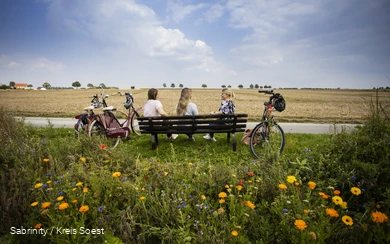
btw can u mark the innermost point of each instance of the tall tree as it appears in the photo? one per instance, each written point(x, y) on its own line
point(46, 85)
point(256, 86)
point(251, 86)
point(173, 85)
point(76, 84)
point(164, 85)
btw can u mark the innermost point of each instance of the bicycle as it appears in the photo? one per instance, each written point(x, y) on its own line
point(108, 126)
point(83, 119)
point(268, 135)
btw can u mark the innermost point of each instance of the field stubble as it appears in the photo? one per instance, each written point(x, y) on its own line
point(319, 106)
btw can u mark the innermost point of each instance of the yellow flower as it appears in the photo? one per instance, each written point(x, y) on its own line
point(85, 189)
point(74, 188)
point(239, 187)
point(83, 160)
point(74, 201)
point(282, 186)
point(347, 220)
point(332, 213)
point(60, 198)
point(79, 184)
point(227, 186)
point(50, 189)
point(34, 204)
point(291, 179)
point(83, 209)
point(250, 205)
point(356, 191)
point(378, 217)
point(37, 226)
point(165, 173)
point(220, 210)
point(221, 201)
point(222, 195)
point(337, 200)
point(343, 205)
point(116, 174)
point(234, 233)
point(300, 224)
point(311, 184)
point(296, 183)
point(142, 198)
point(305, 211)
point(63, 206)
point(38, 185)
point(45, 205)
point(203, 197)
point(46, 160)
point(48, 182)
point(250, 181)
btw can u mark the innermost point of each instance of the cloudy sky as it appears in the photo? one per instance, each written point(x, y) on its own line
point(123, 43)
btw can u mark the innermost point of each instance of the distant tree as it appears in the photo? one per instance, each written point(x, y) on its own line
point(46, 85)
point(251, 86)
point(223, 86)
point(76, 84)
point(204, 86)
point(261, 87)
point(29, 85)
point(181, 85)
point(12, 83)
point(103, 85)
point(164, 85)
point(240, 86)
point(256, 86)
point(229, 86)
point(132, 87)
point(173, 85)
point(90, 85)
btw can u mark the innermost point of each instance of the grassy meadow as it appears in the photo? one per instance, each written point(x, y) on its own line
point(323, 188)
point(320, 106)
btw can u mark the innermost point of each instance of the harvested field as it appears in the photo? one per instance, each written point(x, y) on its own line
point(320, 106)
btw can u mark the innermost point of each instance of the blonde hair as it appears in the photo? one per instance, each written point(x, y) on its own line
point(184, 100)
point(229, 92)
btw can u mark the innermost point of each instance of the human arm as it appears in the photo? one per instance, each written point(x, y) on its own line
point(161, 111)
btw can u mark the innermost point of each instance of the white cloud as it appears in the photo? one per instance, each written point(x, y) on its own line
point(45, 65)
point(214, 13)
point(180, 11)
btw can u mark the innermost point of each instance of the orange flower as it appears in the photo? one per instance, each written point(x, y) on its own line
point(300, 224)
point(305, 211)
point(63, 206)
point(74, 201)
point(234, 233)
point(378, 217)
point(203, 197)
point(332, 213)
point(323, 195)
point(222, 194)
point(102, 146)
point(46, 160)
point(336, 192)
point(312, 184)
point(221, 201)
point(142, 198)
point(250, 205)
point(250, 174)
point(241, 182)
point(45, 205)
point(239, 187)
point(282, 186)
point(85, 189)
point(37, 226)
point(83, 209)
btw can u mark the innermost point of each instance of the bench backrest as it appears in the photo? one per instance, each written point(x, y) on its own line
point(193, 124)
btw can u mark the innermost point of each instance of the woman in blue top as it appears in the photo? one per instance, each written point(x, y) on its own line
point(227, 107)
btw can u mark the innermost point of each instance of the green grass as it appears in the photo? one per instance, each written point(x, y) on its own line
point(194, 192)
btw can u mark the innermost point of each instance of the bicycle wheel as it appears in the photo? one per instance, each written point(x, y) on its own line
point(121, 117)
point(134, 121)
point(267, 139)
point(96, 129)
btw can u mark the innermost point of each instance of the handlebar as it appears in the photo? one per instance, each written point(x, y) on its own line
point(271, 92)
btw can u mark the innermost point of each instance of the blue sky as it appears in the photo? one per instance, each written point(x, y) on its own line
point(123, 43)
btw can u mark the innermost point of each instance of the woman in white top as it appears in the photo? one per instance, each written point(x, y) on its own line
point(153, 107)
point(186, 107)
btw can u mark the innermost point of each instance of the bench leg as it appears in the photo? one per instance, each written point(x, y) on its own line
point(228, 137)
point(234, 142)
point(154, 141)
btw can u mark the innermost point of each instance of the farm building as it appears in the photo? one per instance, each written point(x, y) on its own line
point(20, 85)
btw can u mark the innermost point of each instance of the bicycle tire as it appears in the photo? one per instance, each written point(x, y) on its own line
point(95, 128)
point(78, 128)
point(134, 121)
point(271, 142)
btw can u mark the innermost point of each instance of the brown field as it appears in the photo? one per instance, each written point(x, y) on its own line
point(320, 106)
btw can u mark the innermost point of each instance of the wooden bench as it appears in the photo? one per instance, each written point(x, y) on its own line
point(193, 124)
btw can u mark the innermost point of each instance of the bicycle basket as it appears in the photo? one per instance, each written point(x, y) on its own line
point(129, 101)
point(278, 102)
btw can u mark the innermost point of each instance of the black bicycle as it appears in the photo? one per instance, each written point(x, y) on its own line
point(268, 135)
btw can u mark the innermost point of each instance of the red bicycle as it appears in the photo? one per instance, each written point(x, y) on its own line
point(109, 126)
